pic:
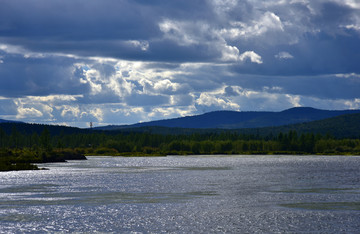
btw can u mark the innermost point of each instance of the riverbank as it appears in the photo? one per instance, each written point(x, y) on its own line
point(25, 159)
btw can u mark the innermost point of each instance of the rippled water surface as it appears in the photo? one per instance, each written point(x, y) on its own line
point(185, 194)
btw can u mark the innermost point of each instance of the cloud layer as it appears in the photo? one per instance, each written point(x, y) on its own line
point(117, 62)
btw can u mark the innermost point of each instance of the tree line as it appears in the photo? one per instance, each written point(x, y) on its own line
point(145, 143)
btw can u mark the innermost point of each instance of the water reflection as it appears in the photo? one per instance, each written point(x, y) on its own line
point(205, 194)
point(326, 205)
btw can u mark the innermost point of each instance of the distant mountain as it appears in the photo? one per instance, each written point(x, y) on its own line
point(343, 126)
point(8, 121)
point(237, 120)
point(29, 128)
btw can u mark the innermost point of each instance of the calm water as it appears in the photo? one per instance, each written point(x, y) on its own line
point(185, 194)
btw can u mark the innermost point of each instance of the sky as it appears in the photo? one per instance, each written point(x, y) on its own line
point(71, 62)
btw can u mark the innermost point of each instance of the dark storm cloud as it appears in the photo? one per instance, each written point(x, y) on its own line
point(132, 30)
point(20, 76)
point(75, 20)
point(332, 15)
point(99, 28)
point(323, 42)
point(314, 55)
point(324, 86)
point(111, 59)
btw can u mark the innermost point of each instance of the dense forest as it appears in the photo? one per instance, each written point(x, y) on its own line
point(18, 149)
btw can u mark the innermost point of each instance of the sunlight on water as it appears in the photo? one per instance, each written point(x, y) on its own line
point(185, 194)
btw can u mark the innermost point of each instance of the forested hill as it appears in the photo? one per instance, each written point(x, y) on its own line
point(8, 121)
point(343, 126)
point(236, 120)
point(30, 128)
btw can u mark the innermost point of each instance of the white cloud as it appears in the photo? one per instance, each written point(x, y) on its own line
point(348, 75)
point(209, 99)
point(69, 111)
point(352, 26)
point(33, 108)
point(254, 57)
point(97, 113)
point(24, 112)
point(120, 86)
point(267, 99)
point(294, 100)
point(143, 45)
point(232, 54)
point(353, 104)
point(284, 55)
point(272, 89)
point(331, 104)
point(269, 21)
point(26, 53)
point(171, 112)
point(129, 111)
point(93, 78)
point(178, 31)
point(224, 6)
point(355, 4)
point(166, 86)
point(12, 49)
point(54, 98)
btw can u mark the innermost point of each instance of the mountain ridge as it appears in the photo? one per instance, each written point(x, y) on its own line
point(341, 126)
point(9, 121)
point(235, 120)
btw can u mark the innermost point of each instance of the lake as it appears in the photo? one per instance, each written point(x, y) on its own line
point(185, 194)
